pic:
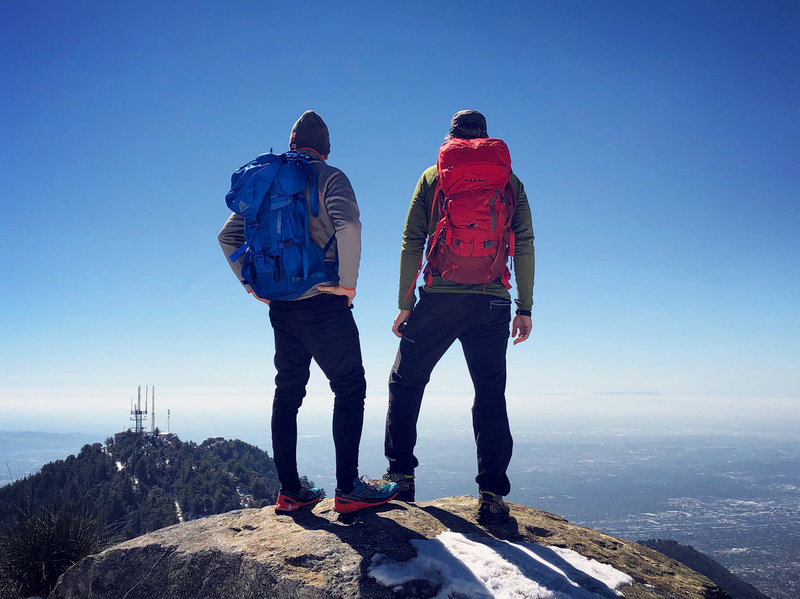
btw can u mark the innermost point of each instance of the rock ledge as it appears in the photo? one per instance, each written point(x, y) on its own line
point(320, 554)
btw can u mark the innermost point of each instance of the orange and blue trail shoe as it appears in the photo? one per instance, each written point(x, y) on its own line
point(366, 493)
point(304, 499)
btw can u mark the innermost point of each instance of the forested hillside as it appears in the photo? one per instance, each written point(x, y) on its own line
point(137, 483)
point(134, 484)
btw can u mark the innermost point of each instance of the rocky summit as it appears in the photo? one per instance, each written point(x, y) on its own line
point(254, 553)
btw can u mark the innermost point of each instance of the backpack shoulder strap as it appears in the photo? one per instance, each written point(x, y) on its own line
point(438, 201)
point(311, 177)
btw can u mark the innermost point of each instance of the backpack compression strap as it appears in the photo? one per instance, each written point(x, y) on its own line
point(313, 200)
point(258, 188)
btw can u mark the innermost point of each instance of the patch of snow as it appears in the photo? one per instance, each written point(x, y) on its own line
point(179, 511)
point(482, 568)
point(120, 466)
point(245, 499)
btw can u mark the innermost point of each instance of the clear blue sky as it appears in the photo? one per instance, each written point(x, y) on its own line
point(658, 142)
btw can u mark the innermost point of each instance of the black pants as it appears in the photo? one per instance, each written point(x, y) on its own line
point(481, 324)
point(322, 328)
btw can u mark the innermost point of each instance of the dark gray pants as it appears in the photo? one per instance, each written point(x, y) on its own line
point(481, 323)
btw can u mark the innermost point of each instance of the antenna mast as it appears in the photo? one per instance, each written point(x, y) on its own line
point(137, 414)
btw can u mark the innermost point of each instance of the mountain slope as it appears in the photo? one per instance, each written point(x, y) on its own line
point(700, 562)
point(133, 484)
point(137, 483)
point(319, 554)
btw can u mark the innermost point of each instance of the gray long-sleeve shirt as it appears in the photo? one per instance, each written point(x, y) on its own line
point(338, 214)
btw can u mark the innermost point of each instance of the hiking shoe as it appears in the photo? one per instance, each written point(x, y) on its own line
point(367, 493)
point(405, 485)
point(304, 499)
point(491, 508)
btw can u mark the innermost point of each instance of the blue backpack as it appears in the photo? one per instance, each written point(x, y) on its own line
point(280, 261)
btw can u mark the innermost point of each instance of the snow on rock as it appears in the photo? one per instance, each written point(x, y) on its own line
point(179, 512)
point(489, 568)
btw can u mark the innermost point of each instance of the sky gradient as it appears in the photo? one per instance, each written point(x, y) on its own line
point(658, 143)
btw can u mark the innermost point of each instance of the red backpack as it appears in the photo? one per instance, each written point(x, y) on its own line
point(473, 238)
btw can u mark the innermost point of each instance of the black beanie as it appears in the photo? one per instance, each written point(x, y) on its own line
point(468, 124)
point(310, 131)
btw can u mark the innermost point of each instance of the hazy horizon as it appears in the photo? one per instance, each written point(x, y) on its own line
point(596, 414)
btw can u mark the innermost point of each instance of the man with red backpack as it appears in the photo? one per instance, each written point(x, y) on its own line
point(473, 213)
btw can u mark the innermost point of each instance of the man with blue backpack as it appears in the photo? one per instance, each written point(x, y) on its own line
point(294, 242)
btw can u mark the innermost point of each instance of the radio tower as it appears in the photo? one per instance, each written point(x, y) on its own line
point(137, 414)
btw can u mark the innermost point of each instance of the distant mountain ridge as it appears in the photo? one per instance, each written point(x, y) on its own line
point(734, 586)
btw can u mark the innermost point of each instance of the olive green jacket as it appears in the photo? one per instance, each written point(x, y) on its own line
point(420, 226)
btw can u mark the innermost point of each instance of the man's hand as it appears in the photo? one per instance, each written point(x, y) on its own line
point(339, 290)
point(521, 328)
point(400, 319)
point(261, 299)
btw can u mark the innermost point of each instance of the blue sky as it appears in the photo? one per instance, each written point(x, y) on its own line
point(658, 142)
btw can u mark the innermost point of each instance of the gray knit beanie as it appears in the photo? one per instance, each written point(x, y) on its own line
point(468, 124)
point(310, 131)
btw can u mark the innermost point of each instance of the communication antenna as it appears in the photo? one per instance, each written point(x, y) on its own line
point(137, 414)
point(168, 421)
point(153, 411)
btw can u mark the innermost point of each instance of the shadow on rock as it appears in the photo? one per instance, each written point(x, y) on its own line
point(372, 535)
